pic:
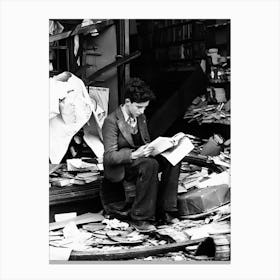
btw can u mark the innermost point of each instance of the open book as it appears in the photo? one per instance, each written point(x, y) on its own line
point(174, 149)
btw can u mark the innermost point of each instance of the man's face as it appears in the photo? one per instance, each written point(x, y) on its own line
point(136, 109)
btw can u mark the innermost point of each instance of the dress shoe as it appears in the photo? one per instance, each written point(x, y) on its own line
point(167, 218)
point(143, 226)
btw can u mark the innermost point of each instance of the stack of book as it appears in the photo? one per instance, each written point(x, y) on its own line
point(204, 113)
point(75, 172)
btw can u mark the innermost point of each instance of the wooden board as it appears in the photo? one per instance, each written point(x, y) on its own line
point(79, 30)
point(59, 195)
point(116, 63)
point(132, 253)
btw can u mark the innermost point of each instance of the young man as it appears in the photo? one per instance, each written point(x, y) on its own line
point(127, 160)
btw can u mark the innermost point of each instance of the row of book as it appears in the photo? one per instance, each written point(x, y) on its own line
point(161, 37)
point(179, 33)
point(180, 52)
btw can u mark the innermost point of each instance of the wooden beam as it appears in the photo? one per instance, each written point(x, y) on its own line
point(74, 196)
point(132, 253)
point(81, 70)
point(126, 43)
point(121, 53)
point(116, 63)
point(58, 195)
point(79, 30)
point(59, 36)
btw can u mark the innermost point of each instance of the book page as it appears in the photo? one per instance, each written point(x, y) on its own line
point(177, 153)
point(160, 144)
point(178, 136)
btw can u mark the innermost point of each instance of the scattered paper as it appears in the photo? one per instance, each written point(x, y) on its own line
point(100, 166)
point(218, 161)
point(61, 182)
point(115, 224)
point(82, 219)
point(70, 230)
point(76, 164)
point(55, 233)
point(216, 179)
point(208, 229)
point(92, 227)
point(64, 216)
point(178, 258)
point(59, 254)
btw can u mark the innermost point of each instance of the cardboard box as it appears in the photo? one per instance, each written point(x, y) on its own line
point(199, 201)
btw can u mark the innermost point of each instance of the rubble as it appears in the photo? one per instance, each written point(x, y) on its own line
point(202, 112)
point(77, 171)
point(92, 236)
point(123, 239)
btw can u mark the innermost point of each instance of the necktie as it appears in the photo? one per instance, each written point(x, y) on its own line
point(131, 121)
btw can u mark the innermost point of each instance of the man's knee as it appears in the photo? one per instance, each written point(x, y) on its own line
point(150, 164)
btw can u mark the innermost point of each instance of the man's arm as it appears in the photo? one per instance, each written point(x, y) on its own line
point(113, 155)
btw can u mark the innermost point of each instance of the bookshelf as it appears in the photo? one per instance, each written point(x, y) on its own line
point(171, 50)
point(175, 44)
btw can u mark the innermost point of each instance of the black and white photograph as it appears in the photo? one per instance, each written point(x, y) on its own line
point(140, 148)
point(139, 140)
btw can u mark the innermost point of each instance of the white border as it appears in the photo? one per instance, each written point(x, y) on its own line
point(24, 138)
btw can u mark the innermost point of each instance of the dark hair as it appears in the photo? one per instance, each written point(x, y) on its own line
point(138, 91)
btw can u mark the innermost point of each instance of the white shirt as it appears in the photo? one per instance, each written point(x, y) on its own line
point(131, 121)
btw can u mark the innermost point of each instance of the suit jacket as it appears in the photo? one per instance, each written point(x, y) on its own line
point(118, 144)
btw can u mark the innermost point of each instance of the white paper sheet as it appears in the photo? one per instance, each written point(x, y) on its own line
point(59, 254)
point(176, 154)
point(64, 216)
point(216, 179)
point(160, 144)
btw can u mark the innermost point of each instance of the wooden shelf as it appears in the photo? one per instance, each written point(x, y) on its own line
point(178, 24)
point(218, 83)
point(157, 29)
point(61, 195)
point(186, 68)
point(175, 43)
point(185, 60)
point(218, 25)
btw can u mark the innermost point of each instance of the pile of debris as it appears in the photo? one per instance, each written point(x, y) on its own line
point(201, 232)
point(93, 237)
point(203, 112)
point(77, 171)
point(204, 181)
point(192, 175)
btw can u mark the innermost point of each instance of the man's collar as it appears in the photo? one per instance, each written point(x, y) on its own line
point(125, 115)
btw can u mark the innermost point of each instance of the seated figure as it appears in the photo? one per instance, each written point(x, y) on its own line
point(129, 167)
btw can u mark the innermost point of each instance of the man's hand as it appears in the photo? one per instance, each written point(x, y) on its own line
point(143, 151)
point(174, 142)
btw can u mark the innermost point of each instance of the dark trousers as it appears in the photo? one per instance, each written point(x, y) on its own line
point(153, 197)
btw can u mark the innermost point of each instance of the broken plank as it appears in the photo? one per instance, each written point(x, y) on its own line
point(59, 36)
point(132, 253)
point(74, 197)
point(54, 167)
point(116, 63)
